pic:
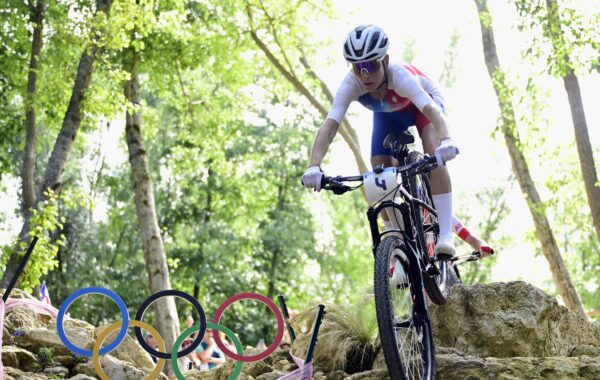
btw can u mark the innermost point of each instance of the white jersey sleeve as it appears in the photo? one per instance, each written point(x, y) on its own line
point(348, 92)
point(414, 86)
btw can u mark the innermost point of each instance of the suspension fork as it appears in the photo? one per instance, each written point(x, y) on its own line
point(420, 309)
point(372, 214)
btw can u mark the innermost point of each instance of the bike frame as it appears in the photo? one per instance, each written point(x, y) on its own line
point(420, 313)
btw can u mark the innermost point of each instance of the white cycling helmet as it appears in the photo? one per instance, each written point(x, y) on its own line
point(365, 43)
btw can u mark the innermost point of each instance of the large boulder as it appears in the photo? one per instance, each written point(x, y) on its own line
point(80, 333)
point(457, 367)
point(129, 350)
point(19, 358)
point(509, 320)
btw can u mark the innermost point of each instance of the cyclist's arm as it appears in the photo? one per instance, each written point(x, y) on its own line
point(407, 85)
point(347, 92)
point(435, 115)
point(323, 139)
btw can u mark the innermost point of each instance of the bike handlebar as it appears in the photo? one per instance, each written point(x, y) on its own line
point(337, 186)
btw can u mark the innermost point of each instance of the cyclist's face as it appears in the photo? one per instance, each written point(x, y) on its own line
point(370, 74)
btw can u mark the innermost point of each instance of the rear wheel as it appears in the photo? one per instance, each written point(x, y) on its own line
point(426, 223)
point(405, 333)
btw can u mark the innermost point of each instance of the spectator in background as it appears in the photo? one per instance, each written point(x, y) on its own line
point(208, 351)
point(189, 322)
point(261, 344)
point(152, 343)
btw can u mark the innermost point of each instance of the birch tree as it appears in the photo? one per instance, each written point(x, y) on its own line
point(508, 127)
point(152, 244)
point(567, 34)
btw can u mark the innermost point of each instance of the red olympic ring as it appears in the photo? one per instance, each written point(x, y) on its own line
point(280, 327)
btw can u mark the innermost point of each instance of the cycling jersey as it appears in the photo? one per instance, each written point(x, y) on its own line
point(408, 92)
point(406, 85)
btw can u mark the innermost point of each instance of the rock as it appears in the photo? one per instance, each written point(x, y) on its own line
point(282, 365)
point(379, 362)
point(200, 375)
point(497, 331)
point(80, 333)
point(117, 369)
point(256, 369)
point(587, 350)
point(85, 368)
point(57, 371)
point(509, 320)
point(19, 358)
point(129, 350)
point(454, 367)
point(17, 293)
point(337, 375)
point(16, 374)
point(271, 375)
point(7, 338)
point(375, 374)
point(19, 320)
point(68, 360)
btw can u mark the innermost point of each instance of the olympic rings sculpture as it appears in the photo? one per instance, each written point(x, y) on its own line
point(137, 323)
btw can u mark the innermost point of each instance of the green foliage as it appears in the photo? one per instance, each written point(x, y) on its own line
point(448, 76)
point(505, 93)
point(46, 357)
point(410, 49)
point(497, 209)
point(569, 34)
point(46, 223)
point(571, 217)
point(486, 19)
point(14, 61)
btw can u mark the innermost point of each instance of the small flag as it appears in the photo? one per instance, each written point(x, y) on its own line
point(44, 296)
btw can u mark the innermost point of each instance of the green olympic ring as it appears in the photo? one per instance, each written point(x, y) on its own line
point(238, 347)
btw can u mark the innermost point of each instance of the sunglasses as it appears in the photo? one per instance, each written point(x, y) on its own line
point(368, 67)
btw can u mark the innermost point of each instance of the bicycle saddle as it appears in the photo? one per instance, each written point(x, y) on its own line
point(392, 140)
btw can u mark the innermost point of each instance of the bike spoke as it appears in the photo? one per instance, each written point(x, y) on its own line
point(409, 337)
point(405, 333)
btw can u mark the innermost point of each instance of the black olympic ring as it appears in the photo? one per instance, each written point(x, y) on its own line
point(165, 293)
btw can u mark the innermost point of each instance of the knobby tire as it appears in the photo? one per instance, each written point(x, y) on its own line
point(406, 336)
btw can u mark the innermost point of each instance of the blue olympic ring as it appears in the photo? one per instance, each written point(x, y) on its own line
point(79, 293)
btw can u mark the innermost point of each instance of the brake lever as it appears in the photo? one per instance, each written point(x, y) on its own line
point(337, 188)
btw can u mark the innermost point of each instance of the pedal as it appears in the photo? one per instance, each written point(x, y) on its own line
point(474, 256)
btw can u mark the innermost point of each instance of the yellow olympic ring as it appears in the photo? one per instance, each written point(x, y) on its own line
point(115, 326)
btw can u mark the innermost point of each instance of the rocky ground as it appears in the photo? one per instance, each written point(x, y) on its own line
point(495, 331)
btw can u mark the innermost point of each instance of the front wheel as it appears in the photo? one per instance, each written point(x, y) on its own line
point(404, 326)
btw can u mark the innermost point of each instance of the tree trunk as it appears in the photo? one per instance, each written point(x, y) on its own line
point(584, 148)
point(62, 147)
point(582, 138)
point(150, 234)
point(544, 233)
point(28, 168)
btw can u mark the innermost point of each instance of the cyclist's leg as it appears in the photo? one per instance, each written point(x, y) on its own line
point(475, 242)
point(441, 188)
point(383, 124)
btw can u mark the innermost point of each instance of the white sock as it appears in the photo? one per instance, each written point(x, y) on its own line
point(443, 206)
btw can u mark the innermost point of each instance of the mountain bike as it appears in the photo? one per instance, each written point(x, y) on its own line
point(402, 308)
